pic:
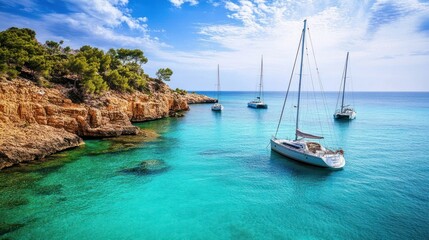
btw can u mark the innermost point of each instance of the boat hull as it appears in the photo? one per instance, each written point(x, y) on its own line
point(333, 161)
point(257, 105)
point(345, 116)
point(217, 107)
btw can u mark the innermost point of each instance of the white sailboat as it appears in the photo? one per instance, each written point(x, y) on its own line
point(259, 102)
point(345, 112)
point(300, 149)
point(217, 106)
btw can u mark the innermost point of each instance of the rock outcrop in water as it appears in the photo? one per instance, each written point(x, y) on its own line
point(36, 121)
point(32, 142)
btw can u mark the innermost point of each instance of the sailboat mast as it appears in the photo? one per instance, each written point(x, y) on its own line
point(344, 86)
point(300, 76)
point(218, 83)
point(261, 78)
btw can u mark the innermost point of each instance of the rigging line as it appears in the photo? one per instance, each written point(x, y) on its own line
point(351, 84)
point(268, 145)
point(314, 93)
point(261, 84)
point(290, 81)
point(330, 123)
point(339, 90)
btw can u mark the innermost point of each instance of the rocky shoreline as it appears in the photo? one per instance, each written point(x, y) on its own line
point(38, 121)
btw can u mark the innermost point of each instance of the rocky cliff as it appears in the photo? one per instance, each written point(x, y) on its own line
point(37, 121)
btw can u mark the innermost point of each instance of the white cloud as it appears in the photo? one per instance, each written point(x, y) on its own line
point(214, 3)
point(179, 3)
point(385, 55)
point(391, 57)
point(26, 5)
point(109, 13)
point(143, 19)
point(103, 23)
point(97, 31)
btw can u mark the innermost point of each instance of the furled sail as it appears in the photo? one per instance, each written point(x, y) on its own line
point(306, 135)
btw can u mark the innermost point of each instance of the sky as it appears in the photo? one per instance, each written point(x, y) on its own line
point(388, 40)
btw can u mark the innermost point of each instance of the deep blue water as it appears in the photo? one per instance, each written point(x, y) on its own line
point(223, 182)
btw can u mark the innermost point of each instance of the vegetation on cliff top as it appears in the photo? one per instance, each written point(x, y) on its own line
point(88, 69)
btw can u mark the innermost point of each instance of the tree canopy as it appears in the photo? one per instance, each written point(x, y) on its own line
point(88, 69)
point(164, 74)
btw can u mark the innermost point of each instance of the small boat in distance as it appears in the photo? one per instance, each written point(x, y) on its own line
point(259, 102)
point(299, 149)
point(345, 112)
point(217, 106)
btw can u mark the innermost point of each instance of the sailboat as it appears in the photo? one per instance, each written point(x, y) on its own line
point(300, 149)
point(259, 102)
point(217, 106)
point(345, 112)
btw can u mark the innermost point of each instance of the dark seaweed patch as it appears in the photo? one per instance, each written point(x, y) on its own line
point(147, 167)
point(15, 202)
point(49, 189)
point(9, 227)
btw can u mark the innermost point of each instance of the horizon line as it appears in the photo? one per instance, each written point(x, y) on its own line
point(413, 91)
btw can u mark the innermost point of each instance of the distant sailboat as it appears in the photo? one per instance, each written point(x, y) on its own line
point(259, 102)
point(217, 106)
point(300, 149)
point(345, 112)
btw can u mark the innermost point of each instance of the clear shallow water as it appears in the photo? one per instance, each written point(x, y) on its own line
point(223, 182)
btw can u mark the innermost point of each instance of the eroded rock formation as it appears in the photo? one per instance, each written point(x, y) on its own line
point(32, 142)
point(36, 121)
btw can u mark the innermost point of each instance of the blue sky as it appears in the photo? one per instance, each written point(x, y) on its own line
point(388, 40)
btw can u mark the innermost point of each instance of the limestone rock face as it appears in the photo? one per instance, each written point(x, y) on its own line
point(32, 142)
point(22, 103)
point(193, 98)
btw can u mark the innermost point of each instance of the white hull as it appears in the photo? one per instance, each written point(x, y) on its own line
point(257, 105)
point(217, 107)
point(321, 159)
point(346, 115)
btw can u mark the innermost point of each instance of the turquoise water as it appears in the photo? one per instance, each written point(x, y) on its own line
point(221, 181)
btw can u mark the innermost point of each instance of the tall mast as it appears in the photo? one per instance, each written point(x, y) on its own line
point(261, 78)
point(218, 83)
point(300, 76)
point(344, 86)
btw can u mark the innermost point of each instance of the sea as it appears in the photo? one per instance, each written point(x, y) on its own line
point(212, 175)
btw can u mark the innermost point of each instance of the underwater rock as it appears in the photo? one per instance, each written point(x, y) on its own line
point(177, 114)
point(209, 152)
point(9, 227)
point(18, 180)
point(49, 189)
point(127, 142)
point(147, 167)
point(49, 169)
point(16, 202)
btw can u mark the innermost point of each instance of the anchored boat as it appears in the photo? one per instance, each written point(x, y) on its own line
point(300, 148)
point(259, 102)
point(217, 106)
point(346, 112)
